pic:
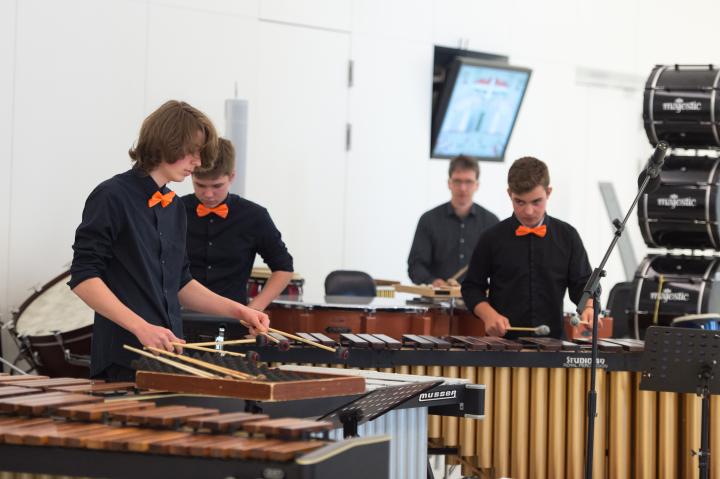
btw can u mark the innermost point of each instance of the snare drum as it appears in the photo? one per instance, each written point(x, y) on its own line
point(681, 107)
point(684, 211)
point(667, 287)
point(54, 330)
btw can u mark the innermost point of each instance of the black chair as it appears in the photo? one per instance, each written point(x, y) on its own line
point(349, 283)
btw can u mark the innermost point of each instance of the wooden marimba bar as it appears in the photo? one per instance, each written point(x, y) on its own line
point(535, 408)
point(37, 422)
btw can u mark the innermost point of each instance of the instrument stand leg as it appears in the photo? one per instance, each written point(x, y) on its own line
point(430, 474)
point(11, 366)
point(704, 452)
point(592, 393)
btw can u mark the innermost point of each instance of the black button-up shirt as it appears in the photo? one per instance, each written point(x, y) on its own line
point(525, 277)
point(444, 242)
point(222, 251)
point(139, 252)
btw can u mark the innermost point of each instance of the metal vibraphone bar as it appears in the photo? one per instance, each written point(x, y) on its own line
point(535, 408)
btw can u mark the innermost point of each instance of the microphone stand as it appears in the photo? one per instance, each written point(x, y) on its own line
point(592, 290)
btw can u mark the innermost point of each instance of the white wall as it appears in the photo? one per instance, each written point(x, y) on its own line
point(78, 76)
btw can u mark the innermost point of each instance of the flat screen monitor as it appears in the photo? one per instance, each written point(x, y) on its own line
point(477, 109)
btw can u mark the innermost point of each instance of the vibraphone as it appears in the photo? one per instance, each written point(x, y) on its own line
point(535, 409)
point(49, 431)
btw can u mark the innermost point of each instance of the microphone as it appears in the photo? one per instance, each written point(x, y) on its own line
point(653, 168)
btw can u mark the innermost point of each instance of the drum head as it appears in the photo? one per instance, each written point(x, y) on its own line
point(55, 308)
point(709, 321)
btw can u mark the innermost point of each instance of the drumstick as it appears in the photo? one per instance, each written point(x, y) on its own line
point(460, 272)
point(175, 364)
point(224, 342)
point(208, 350)
point(204, 364)
point(542, 330)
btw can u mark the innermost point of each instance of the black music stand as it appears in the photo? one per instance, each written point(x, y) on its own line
point(684, 360)
point(374, 404)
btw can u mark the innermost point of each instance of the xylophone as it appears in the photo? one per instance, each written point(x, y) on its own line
point(47, 431)
point(247, 380)
point(535, 409)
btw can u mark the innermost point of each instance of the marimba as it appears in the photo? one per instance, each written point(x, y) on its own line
point(535, 408)
point(45, 431)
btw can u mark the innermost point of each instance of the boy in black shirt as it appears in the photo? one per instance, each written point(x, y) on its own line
point(522, 266)
point(130, 263)
point(225, 232)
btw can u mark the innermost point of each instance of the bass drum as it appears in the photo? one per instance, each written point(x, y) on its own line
point(667, 287)
point(685, 209)
point(680, 106)
point(53, 329)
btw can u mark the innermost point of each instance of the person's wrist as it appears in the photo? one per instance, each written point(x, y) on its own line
point(138, 327)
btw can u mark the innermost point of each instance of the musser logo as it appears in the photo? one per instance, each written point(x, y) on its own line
point(438, 395)
point(670, 295)
point(582, 362)
point(673, 201)
point(680, 105)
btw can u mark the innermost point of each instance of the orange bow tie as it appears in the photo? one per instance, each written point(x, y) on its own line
point(158, 197)
point(221, 211)
point(540, 231)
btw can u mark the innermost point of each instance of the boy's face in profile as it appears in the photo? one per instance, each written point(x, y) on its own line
point(529, 208)
point(186, 164)
point(212, 191)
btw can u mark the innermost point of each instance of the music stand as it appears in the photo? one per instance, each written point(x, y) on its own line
point(684, 360)
point(374, 404)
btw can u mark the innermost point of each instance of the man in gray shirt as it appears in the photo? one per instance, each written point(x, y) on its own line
point(446, 235)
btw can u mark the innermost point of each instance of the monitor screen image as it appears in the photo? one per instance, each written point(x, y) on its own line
point(478, 108)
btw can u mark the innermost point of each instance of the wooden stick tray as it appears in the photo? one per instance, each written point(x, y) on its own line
point(302, 386)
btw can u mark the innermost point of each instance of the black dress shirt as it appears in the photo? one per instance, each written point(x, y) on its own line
point(222, 251)
point(139, 252)
point(444, 242)
point(527, 276)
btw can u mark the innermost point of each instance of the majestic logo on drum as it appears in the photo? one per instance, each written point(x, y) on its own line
point(673, 201)
point(583, 362)
point(680, 105)
point(438, 395)
point(670, 295)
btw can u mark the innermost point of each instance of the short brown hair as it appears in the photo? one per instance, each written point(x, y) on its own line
point(168, 134)
point(463, 162)
point(224, 163)
point(527, 173)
